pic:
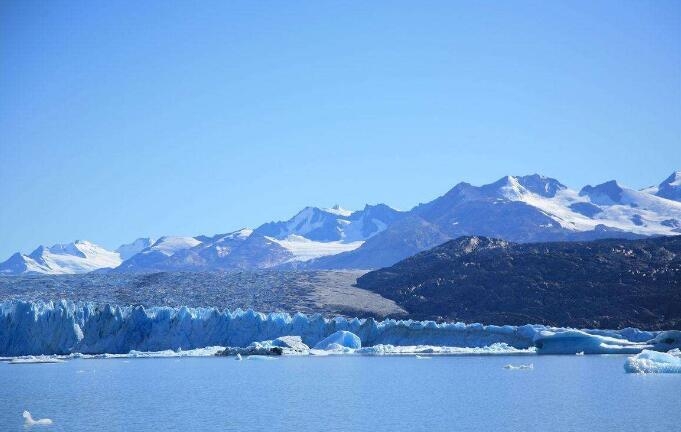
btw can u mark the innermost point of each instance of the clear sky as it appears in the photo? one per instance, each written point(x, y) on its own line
point(126, 119)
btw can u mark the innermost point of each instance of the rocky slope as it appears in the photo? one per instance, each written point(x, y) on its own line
point(597, 284)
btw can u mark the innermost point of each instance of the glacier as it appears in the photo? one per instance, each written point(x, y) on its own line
point(66, 328)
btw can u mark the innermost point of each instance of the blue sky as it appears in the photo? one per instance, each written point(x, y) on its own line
point(127, 119)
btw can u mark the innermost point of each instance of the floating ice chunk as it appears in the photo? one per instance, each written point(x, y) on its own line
point(418, 357)
point(30, 421)
point(519, 367)
point(293, 343)
point(35, 359)
point(339, 340)
point(654, 362)
point(284, 345)
point(581, 353)
point(197, 352)
point(260, 357)
point(574, 341)
point(494, 349)
point(238, 357)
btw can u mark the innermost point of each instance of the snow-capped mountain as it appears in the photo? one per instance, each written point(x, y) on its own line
point(531, 208)
point(522, 209)
point(333, 224)
point(312, 233)
point(77, 257)
point(150, 258)
point(670, 188)
point(240, 249)
point(315, 232)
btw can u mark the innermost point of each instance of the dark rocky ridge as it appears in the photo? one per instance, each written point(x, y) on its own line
point(595, 284)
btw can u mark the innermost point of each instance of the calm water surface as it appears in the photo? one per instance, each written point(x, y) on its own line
point(561, 393)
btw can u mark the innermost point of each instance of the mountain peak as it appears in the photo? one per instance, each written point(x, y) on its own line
point(674, 179)
point(541, 185)
point(337, 210)
point(507, 187)
point(168, 245)
point(128, 250)
point(607, 193)
point(670, 188)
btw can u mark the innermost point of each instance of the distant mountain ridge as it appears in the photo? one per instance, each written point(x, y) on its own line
point(77, 257)
point(531, 208)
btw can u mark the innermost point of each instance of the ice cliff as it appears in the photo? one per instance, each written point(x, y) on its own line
point(34, 328)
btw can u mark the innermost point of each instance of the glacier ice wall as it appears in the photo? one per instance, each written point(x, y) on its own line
point(33, 328)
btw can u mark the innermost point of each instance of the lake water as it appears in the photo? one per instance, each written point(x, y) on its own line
point(335, 393)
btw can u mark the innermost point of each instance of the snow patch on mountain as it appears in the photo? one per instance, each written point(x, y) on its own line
point(128, 250)
point(304, 249)
point(169, 245)
point(338, 210)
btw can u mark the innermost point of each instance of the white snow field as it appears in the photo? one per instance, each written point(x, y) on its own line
point(304, 249)
point(66, 328)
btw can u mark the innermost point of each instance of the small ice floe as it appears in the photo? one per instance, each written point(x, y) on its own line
point(426, 350)
point(283, 345)
point(238, 357)
point(581, 353)
point(30, 421)
point(419, 357)
point(35, 359)
point(519, 367)
point(260, 357)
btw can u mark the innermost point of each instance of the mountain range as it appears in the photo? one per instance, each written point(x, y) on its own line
point(531, 208)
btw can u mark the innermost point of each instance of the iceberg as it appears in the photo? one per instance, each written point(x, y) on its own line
point(528, 366)
point(285, 345)
point(654, 362)
point(339, 340)
point(30, 421)
point(494, 349)
point(35, 359)
point(578, 341)
point(85, 329)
